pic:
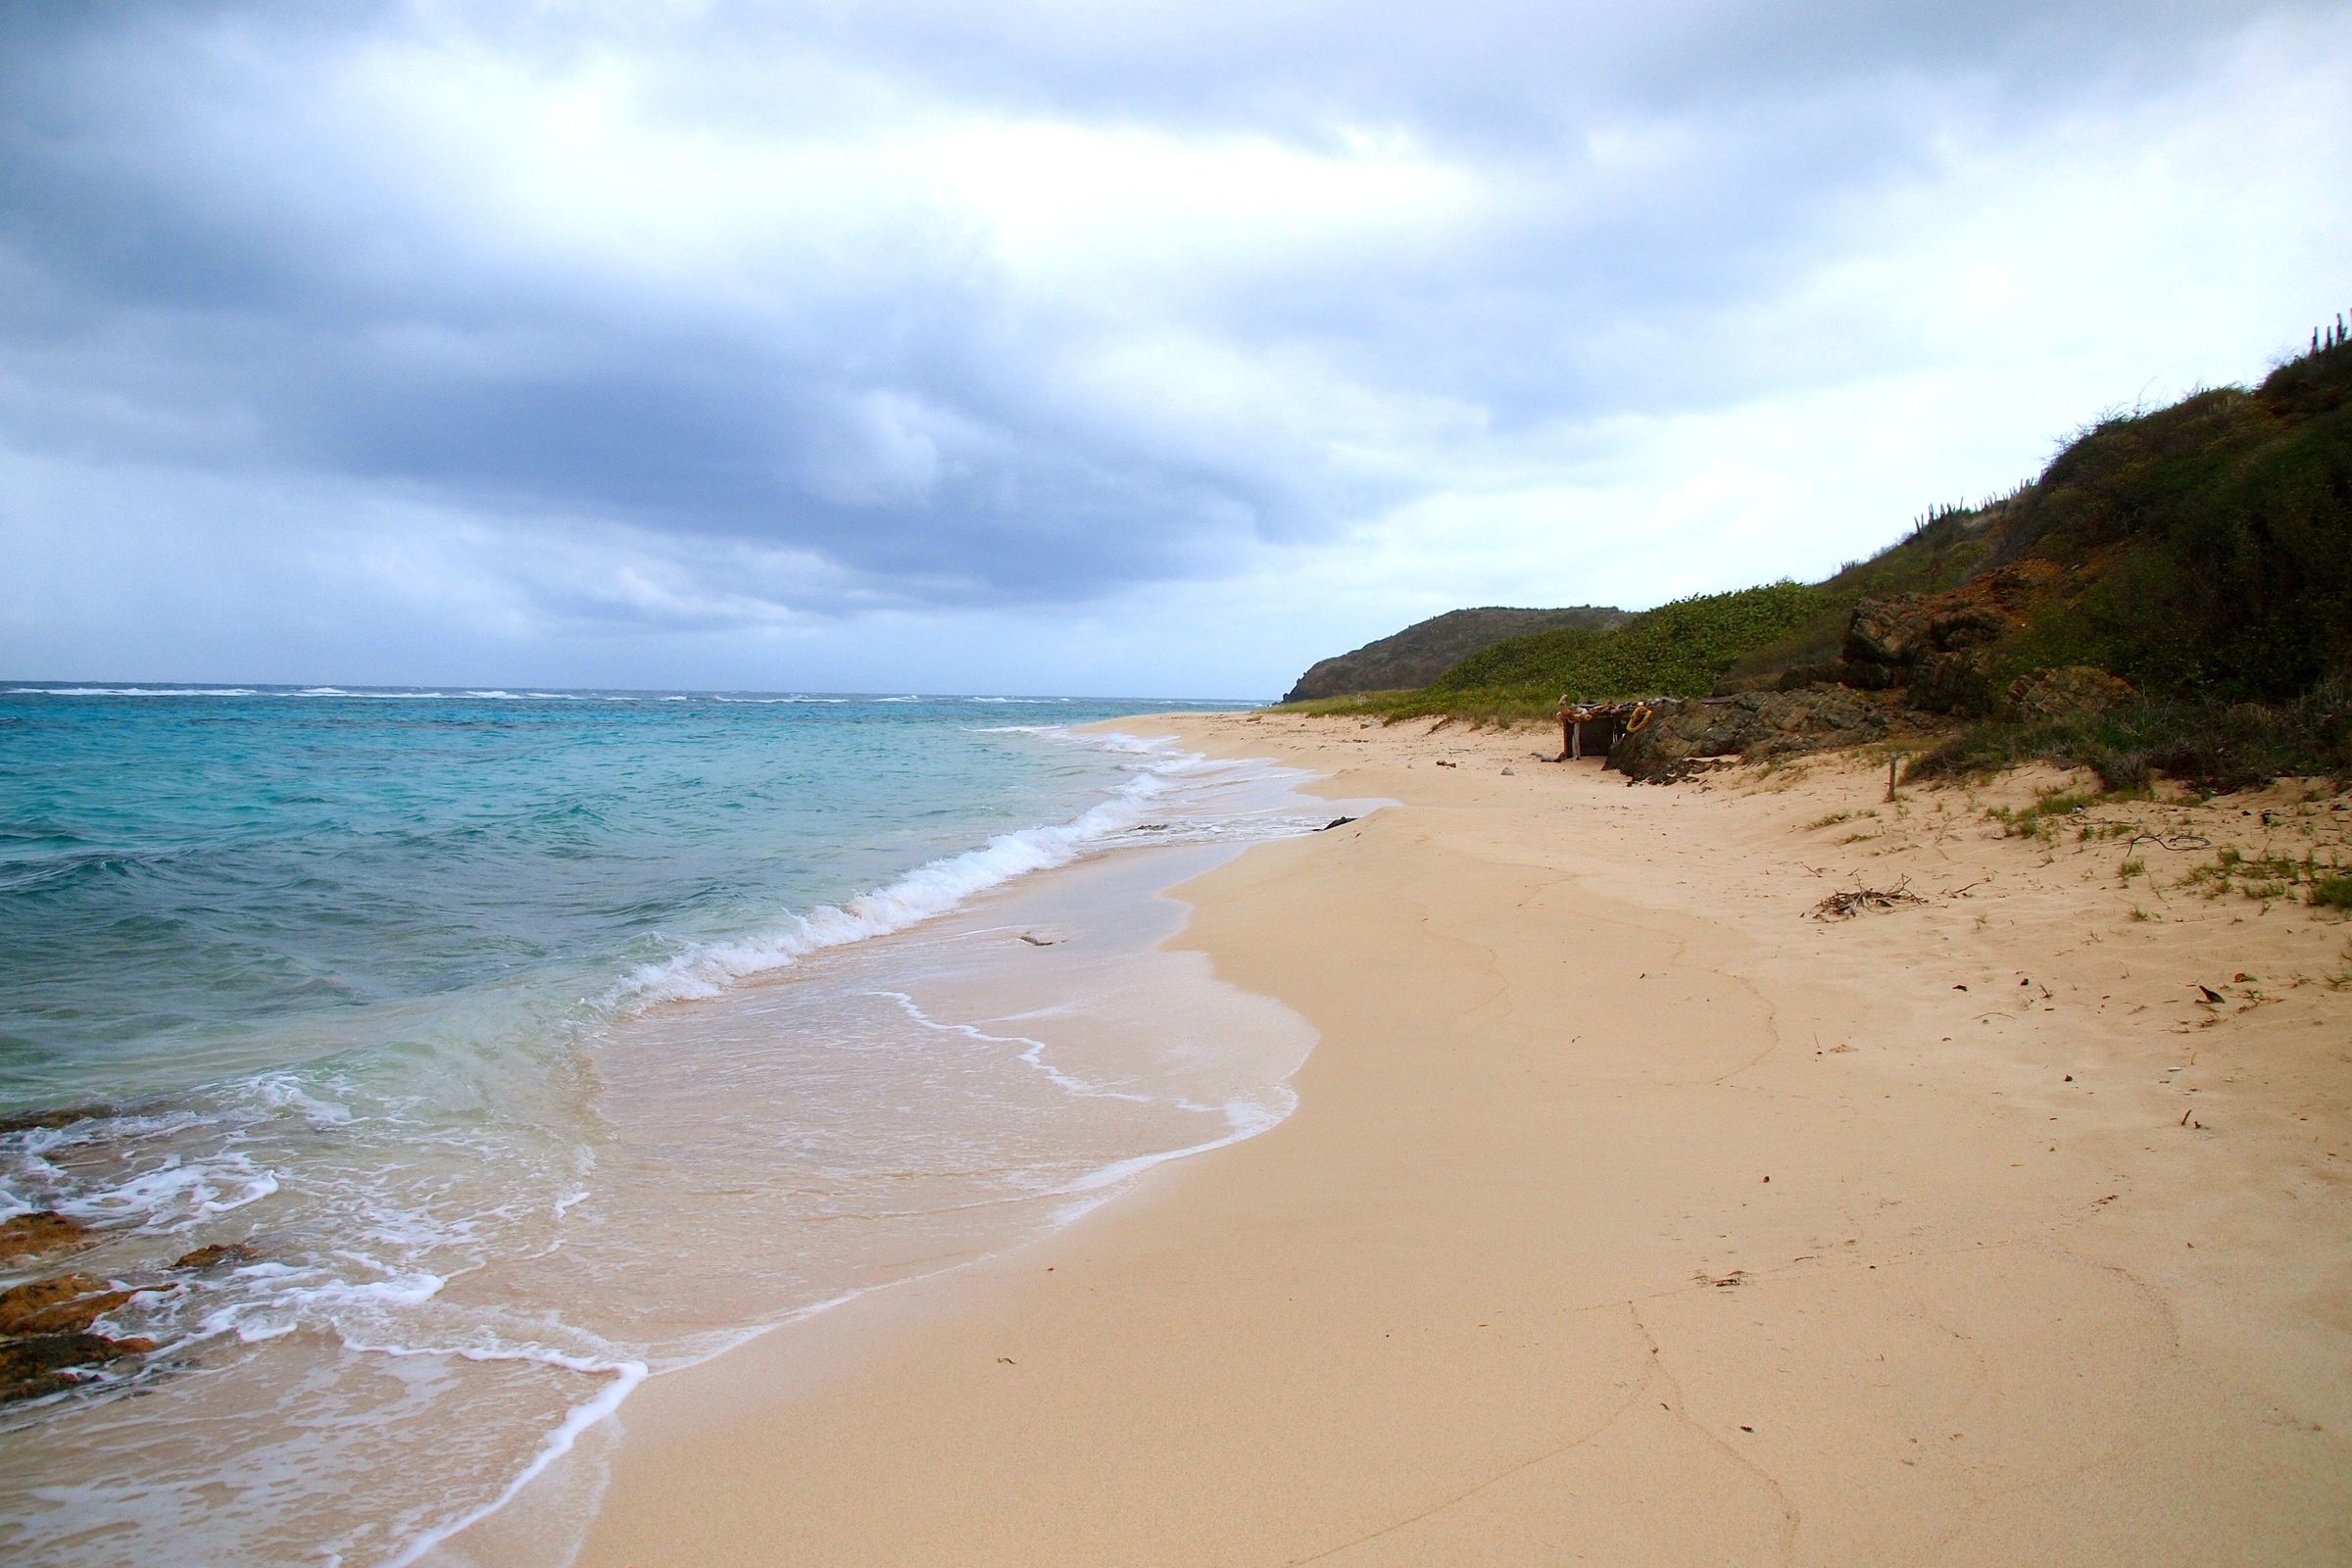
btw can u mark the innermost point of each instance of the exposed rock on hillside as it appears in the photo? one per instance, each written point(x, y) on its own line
point(2071, 690)
point(1937, 645)
point(1421, 653)
point(1756, 726)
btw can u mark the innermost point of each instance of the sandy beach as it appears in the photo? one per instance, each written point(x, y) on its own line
point(1632, 1215)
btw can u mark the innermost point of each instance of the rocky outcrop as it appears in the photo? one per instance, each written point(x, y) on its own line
point(1956, 682)
point(67, 1302)
point(2070, 691)
point(1936, 646)
point(220, 1252)
point(1753, 725)
point(44, 1120)
point(1889, 631)
point(37, 1234)
point(46, 1339)
point(50, 1363)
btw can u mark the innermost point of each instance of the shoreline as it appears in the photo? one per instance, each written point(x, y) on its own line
point(831, 1119)
point(1628, 1214)
point(1101, 1015)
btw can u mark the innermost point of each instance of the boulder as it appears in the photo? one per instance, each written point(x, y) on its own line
point(2068, 690)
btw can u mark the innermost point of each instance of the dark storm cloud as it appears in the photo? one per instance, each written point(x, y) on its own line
point(346, 244)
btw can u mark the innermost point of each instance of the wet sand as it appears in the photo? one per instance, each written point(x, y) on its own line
point(1631, 1215)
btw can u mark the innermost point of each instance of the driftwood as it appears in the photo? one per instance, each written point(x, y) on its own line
point(1846, 906)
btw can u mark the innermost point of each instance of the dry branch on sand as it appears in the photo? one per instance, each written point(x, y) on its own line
point(1846, 906)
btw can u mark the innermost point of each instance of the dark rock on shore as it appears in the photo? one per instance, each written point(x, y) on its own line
point(46, 1363)
point(220, 1253)
point(49, 1120)
point(46, 1339)
point(55, 1305)
point(1754, 725)
point(37, 1234)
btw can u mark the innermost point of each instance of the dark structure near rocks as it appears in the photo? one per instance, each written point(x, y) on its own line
point(1593, 729)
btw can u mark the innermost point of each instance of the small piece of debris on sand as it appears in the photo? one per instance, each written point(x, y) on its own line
point(1846, 906)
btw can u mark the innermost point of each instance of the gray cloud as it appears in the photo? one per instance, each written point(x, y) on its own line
point(834, 307)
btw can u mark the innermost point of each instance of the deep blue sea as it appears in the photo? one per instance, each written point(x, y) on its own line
point(449, 1005)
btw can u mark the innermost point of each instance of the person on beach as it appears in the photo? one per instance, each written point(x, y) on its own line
point(1567, 717)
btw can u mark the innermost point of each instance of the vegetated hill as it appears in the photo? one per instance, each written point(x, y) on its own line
point(2202, 553)
point(2211, 541)
point(1675, 650)
point(1424, 651)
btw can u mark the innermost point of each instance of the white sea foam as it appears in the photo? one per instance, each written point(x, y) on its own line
point(923, 893)
point(1244, 1119)
point(132, 691)
point(1033, 1052)
point(828, 701)
point(625, 1375)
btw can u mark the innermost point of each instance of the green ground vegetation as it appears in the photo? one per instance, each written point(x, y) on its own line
point(1679, 649)
point(2207, 741)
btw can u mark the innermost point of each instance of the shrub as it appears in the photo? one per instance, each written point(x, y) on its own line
point(2208, 742)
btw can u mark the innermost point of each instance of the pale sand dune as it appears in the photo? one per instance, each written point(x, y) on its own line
point(1512, 1285)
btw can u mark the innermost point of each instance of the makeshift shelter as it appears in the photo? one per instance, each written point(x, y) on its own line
point(1593, 729)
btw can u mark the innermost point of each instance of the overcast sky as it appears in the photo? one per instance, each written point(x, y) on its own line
point(1074, 345)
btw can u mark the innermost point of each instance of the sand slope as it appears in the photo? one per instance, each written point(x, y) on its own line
point(1632, 1216)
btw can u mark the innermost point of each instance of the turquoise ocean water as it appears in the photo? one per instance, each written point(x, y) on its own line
point(444, 1001)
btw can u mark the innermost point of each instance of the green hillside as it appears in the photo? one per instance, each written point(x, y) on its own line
point(2202, 553)
point(1426, 649)
point(1677, 649)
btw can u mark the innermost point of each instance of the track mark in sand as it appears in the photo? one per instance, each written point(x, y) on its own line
point(1645, 1387)
point(1640, 1391)
point(1676, 1407)
point(1772, 1029)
